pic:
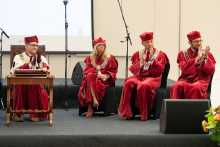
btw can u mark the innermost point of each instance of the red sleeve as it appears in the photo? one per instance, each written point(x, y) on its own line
point(209, 66)
point(24, 66)
point(113, 69)
point(89, 67)
point(212, 58)
point(46, 66)
point(159, 64)
point(135, 67)
point(186, 66)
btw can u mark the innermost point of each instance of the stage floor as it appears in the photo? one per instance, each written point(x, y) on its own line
point(69, 129)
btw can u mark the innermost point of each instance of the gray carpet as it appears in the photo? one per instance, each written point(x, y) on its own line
point(69, 129)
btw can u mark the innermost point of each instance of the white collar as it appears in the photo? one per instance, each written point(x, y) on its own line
point(28, 54)
point(193, 50)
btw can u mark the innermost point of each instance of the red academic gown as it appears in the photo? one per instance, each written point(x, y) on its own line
point(91, 76)
point(147, 80)
point(30, 96)
point(195, 77)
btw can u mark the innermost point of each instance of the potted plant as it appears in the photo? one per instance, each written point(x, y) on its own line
point(213, 123)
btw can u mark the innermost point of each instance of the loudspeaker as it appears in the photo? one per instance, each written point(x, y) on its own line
point(181, 116)
point(77, 74)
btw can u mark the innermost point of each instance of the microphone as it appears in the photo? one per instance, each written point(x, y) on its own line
point(4, 33)
point(65, 2)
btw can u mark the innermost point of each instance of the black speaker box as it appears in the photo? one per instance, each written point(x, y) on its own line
point(77, 74)
point(183, 116)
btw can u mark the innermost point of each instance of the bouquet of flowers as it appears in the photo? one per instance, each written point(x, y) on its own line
point(213, 123)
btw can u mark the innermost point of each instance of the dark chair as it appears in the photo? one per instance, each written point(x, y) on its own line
point(159, 96)
point(209, 89)
point(108, 104)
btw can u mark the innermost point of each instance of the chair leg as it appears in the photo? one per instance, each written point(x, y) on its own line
point(2, 104)
point(11, 114)
point(11, 107)
point(80, 110)
point(155, 117)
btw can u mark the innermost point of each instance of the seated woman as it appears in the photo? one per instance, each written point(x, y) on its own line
point(101, 69)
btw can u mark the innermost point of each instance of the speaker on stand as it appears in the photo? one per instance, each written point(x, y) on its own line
point(77, 74)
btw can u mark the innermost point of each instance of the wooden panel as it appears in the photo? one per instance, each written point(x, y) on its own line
point(19, 49)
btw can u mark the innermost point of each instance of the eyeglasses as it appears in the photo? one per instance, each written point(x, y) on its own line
point(101, 45)
point(33, 45)
point(198, 41)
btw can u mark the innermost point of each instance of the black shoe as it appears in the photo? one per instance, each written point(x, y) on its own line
point(130, 118)
point(18, 118)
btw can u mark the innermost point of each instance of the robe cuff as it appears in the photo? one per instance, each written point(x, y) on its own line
point(151, 62)
point(208, 66)
point(30, 65)
point(41, 65)
point(141, 65)
point(196, 62)
point(135, 68)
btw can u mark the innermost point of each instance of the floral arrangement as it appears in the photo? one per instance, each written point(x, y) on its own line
point(213, 123)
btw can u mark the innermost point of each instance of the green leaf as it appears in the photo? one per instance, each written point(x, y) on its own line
point(214, 131)
point(212, 123)
point(218, 137)
point(218, 125)
point(211, 112)
point(214, 137)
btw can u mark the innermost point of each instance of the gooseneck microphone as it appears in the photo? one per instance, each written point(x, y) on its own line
point(4, 33)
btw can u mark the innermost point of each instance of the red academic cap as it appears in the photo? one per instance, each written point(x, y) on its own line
point(193, 35)
point(30, 39)
point(99, 40)
point(146, 36)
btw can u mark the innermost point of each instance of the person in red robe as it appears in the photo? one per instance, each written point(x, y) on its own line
point(197, 66)
point(101, 69)
point(147, 67)
point(30, 96)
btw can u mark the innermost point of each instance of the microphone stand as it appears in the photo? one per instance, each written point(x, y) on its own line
point(66, 27)
point(1, 99)
point(127, 38)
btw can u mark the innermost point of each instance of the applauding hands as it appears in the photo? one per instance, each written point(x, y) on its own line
point(200, 53)
point(206, 52)
point(33, 62)
point(38, 56)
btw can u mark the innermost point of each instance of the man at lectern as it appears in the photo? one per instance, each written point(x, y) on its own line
point(30, 96)
point(197, 66)
point(147, 67)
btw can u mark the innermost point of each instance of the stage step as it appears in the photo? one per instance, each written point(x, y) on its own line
point(71, 130)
